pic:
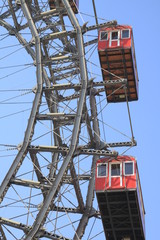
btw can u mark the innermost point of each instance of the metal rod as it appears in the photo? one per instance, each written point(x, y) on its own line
point(95, 12)
point(130, 121)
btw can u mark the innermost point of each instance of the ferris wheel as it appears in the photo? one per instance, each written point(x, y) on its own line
point(57, 89)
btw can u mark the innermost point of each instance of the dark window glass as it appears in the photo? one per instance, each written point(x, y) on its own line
point(129, 168)
point(115, 170)
point(125, 33)
point(102, 170)
point(114, 35)
point(104, 35)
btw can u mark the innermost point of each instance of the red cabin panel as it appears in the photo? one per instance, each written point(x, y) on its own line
point(116, 174)
point(117, 58)
point(74, 4)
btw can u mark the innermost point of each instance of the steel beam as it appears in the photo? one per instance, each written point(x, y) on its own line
point(130, 216)
point(13, 14)
point(76, 185)
point(30, 183)
point(9, 12)
point(2, 234)
point(90, 194)
point(44, 209)
point(121, 144)
point(80, 150)
point(99, 26)
point(77, 87)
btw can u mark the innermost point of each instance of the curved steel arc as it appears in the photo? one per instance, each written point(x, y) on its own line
point(44, 209)
point(36, 103)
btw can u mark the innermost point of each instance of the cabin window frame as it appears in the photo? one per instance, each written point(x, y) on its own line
point(117, 35)
point(114, 40)
point(129, 33)
point(115, 176)
point(129, 174)
point(106, 35)
point(120, 168)
point(99, 164)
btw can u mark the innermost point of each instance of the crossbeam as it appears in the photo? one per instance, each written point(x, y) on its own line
point(78, 151)
point(42, 232)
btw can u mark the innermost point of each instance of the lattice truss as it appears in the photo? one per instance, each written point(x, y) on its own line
point(48, 171)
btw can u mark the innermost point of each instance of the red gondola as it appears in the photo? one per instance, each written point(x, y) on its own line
point(74, 5)
point(120, 200)
point(118, 61)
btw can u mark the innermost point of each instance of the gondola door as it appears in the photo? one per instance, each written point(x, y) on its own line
point(115, 175)
point(114, 39)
